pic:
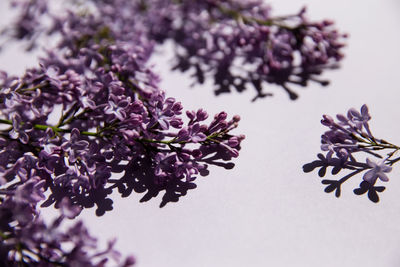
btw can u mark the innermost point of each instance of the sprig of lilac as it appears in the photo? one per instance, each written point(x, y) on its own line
point(112, 117)
point(102, 82)
point(346, 137)
point(27, 240)
point(240, 44)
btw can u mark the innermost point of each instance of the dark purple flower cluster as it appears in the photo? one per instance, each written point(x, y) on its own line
point(93, 108)
point(239, 43)
point(26, 240)
point(29, 24)
point(111, 109)
point(107, 116)
point(349, 135)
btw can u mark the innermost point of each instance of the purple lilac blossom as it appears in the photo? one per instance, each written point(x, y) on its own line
point(26, 240)
point(112, 110)
point(240, 44)
point(344, 143)
point(116, 94)
point(378, 170)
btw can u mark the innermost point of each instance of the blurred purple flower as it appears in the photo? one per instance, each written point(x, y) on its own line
point(378, 170)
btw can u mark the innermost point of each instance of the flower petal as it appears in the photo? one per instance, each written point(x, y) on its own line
point(383, 176)
point(370, 176)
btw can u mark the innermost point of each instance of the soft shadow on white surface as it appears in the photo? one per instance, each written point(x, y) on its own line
point(266, 211)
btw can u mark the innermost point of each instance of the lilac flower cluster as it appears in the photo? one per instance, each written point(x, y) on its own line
point(239, 43)
point(111, 118)
point(26, 240)
point(349, 135)
point(111, 109)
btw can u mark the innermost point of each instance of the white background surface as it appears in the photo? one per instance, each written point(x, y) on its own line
point(266, 211)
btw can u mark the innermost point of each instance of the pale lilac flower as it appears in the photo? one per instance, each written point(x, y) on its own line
point(359, 119)
point(117, 108)
point(18, 130)
point(30, 192)
point(68, 210)
point(345, 137)
point(378, 170)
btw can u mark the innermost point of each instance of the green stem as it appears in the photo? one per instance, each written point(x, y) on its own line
point(169, 142)
point(392, 153)
point(380, 146)
point(248, 20)
point(393, 161)
point(238, 16)
point(5, 121)
point(174, 141)
point(3, 236)
point(73, 118)
point(20, 90)
point(54, 128)
point(70, 112)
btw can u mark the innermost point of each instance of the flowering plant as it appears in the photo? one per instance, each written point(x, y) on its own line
point(351, 135)
point(239, 44)
point(93, 108)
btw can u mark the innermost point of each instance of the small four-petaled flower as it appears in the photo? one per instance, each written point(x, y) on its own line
point(377, 170)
